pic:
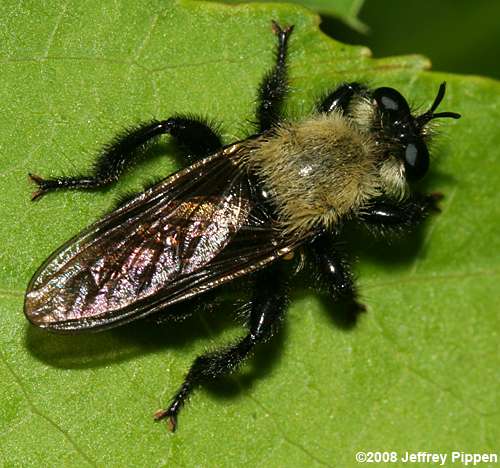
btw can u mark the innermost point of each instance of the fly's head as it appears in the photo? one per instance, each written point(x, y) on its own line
point(403, 133)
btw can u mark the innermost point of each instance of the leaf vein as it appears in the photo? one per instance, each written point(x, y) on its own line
point(53, 33)
point(39, 413)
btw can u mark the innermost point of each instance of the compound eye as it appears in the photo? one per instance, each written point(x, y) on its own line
point(391, 101)
point(416, 158)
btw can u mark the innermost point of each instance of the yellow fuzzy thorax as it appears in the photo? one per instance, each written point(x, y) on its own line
point(316, 171)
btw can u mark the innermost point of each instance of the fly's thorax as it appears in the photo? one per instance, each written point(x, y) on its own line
point(317, 171)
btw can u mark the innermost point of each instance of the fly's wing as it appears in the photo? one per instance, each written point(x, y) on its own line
point(191, 232)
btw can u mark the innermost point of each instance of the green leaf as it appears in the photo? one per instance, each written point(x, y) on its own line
point(345, 10)
point(419, 371)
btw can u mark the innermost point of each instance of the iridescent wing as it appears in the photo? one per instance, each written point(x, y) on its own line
point(195, 230)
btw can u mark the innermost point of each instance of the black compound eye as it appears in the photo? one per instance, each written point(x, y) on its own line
point(391, 101)
point(416, 158)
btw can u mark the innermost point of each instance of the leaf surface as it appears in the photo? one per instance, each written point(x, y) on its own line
point(419, 372)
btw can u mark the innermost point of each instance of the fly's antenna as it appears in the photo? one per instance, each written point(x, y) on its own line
point(424, 118)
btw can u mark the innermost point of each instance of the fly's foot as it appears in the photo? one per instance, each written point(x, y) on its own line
point(433, 200)
point(282, 33)
point(170, 415)
point(358, 307)
point(42, 185)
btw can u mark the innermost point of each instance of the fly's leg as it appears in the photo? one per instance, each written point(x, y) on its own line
point(389, 216)
point(340, 98)
point(196, 136)
point(192, 133)
point(335, 275)
point(267, 309)
point(274, 86)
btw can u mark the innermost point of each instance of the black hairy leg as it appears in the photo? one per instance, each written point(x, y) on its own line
point(268, 305)
point(192, 133)
point(195, 136)
point(386, 215)
point(274, 86)
point(335, 276)
point(340, 98)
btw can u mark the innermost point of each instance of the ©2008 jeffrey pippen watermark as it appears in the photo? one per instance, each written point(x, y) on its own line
point(434, 458)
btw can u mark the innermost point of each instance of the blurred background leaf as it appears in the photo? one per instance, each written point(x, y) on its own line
point(458, 36)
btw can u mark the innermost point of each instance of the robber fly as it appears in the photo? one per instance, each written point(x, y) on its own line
point(236, 210)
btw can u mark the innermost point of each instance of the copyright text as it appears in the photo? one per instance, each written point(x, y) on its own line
point(441, 459)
